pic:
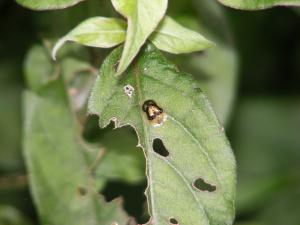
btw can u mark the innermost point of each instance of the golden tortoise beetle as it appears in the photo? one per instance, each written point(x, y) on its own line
point(155, 114)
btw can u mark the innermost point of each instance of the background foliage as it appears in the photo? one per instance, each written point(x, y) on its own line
point(263, 126)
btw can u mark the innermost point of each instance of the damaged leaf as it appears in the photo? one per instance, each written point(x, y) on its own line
point(169, 105)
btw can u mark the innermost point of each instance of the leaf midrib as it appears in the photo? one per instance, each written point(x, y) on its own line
point(146, 135)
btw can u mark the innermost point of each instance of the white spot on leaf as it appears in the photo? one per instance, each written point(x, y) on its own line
point(128, 90)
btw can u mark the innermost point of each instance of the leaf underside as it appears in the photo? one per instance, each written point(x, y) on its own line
point(197, 146)
point(259, 4)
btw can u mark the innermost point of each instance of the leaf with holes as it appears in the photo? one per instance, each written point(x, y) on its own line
point(258, 4)
point(95, 32)
point(47, 4)
point(143, 17)
point(191, 179)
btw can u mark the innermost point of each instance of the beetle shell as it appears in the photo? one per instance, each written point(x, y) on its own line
point(155, 114)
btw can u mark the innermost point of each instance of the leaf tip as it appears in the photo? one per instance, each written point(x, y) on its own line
point(210, 44)
point(206, 43)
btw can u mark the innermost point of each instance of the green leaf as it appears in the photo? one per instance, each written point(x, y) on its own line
point(63, 170)
point(174, 38)
point(79, 77)
point(143, 16)
point(39, 68)
point(95, 32)
point(258, 4)
point(195, 141)
point(217, 68)
point(47, 4)
point(217, 72)
point(60, 175)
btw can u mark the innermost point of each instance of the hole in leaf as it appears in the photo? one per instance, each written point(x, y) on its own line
point(197, 89)
point(173, 221)
point(159, 147)
point(201, 185)
point(82, 191)
point(134, 200)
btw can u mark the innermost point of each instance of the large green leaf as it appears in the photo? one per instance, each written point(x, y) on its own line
point(217, 70)
point(199, 152)
point(47, 4)
point(58, 165)
point(63, 170)
point(258, 4)
point(143, 16)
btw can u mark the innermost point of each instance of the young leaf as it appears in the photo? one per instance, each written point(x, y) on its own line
point(47, 4)
point(143, 16)
point(95, 32)
point(258, 4)
point(193, 180)
point(174, 38)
